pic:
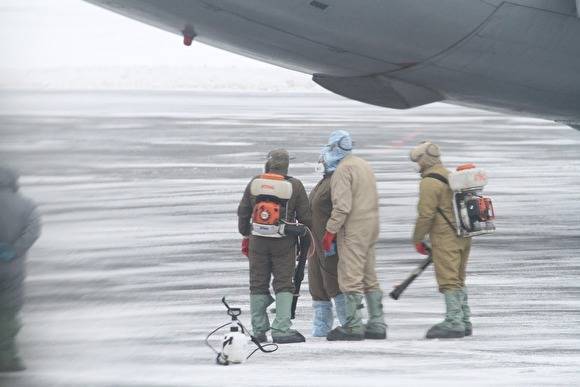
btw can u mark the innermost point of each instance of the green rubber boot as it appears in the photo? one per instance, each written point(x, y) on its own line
point(281, 332)
point(258, 309)
point(452, 327)
point(353, 329)
point(466, 314)
point(375, 328)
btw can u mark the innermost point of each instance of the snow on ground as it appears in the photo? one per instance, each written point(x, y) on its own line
point(139, 192)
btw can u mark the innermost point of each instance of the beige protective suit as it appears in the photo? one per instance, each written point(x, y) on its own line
point(450, 252)
point(355, 221)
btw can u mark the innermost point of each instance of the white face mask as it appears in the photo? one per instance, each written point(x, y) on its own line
point(319, 167)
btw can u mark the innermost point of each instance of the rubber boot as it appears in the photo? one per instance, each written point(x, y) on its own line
point(10, 361)
point(340, 306)
point(353, 329)
point(9, 327)
point(323, 318)
point(258, 309)
point(466, 314)
point(281, 332)
point(452, 327)
point(375, 328)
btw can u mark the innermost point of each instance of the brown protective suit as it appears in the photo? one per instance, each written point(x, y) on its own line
point(355, 221)
point(273, 256)
point(450, 252)
point(322, 270)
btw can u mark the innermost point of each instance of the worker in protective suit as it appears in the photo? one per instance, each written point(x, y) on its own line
point(354, 225)
point(272, 255)
point(19, 229)
point(322, 266)
point(450, 252)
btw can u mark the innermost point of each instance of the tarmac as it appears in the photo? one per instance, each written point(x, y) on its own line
point(139, 192)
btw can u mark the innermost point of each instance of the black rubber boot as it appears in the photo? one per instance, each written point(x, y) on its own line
point(291, 336)
point(261, 337)
point(345, 334)
point(375, 335)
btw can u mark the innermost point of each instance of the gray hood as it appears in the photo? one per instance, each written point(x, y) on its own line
point(8, 179)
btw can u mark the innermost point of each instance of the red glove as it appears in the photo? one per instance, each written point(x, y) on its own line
point(246, 246)
point(421, 248)
point(327, 240)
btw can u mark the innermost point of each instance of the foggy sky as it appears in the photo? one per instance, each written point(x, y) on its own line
point(71, 44)
point(53, 33)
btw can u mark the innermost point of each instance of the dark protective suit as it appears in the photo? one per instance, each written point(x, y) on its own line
point(322, 270)
point(273, 256)
point(19, 229)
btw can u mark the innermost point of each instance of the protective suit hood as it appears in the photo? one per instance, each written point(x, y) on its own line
point(339, 146)
point(278, 162)
point(8, 179)
point(426, 154)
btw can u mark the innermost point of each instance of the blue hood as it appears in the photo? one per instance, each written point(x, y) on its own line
point(339, 146)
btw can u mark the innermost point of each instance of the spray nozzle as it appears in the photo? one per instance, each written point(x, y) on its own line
point(233, 312)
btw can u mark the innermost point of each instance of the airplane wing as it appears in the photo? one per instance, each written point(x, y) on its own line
point(520, 57)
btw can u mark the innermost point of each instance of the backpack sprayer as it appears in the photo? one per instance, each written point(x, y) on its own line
point(473, 211)
point(236, 343)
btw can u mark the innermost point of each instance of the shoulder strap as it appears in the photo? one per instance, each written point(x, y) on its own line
point(442, 179)
point(272, 176)
point(439, 177)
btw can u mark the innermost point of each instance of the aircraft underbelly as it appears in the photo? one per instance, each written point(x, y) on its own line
point(523, 59)
point(400, 32)
point(519, 56)
point(344, 39)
